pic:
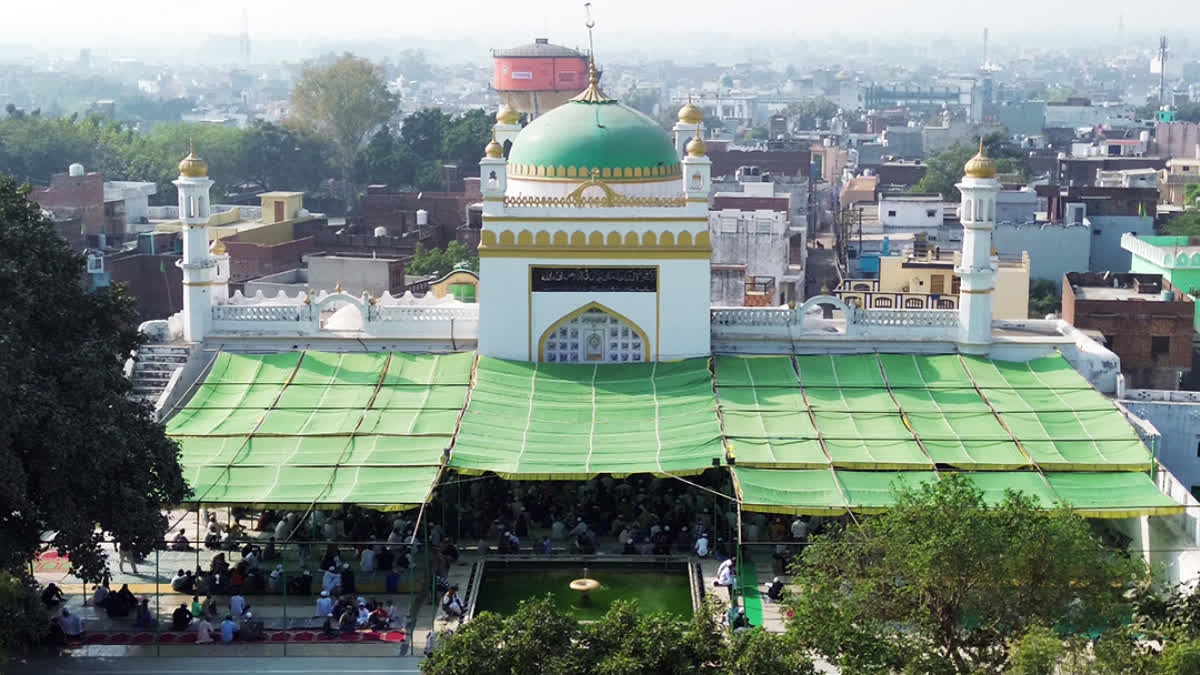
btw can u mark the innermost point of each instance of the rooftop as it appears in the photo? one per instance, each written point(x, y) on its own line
point(538, 48)
point(1131, 287)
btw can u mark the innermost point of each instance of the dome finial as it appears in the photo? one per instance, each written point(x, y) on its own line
point(592, 94)
point(696, 146)
point(980, 166)
point(493, 149)
point(192, 166)
point(690, 114)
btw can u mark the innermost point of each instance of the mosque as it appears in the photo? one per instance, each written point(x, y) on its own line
point(593, 349)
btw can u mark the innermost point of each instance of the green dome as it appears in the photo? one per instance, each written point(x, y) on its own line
point(579, 136)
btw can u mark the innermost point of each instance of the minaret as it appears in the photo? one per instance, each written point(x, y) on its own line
point(977, 212)
point(690, 123)
point(697, 174)
point(199, 268)
point(508, 124)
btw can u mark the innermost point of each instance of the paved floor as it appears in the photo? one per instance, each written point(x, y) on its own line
point(193, 665)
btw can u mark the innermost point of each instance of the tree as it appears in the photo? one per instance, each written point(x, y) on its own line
point(22, 617)
point(1186, 224)
point(1191, 195)
point(278, 157)
point(77, 452)
point(441, 261)
point(944, 170)
point(1044, 298)
point(540, 638)
point(811, 114)
point(465, 136)
point(343, 102)
point(424, 131)
point(944, 580)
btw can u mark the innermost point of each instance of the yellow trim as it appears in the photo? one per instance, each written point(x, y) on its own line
point(541, 348)
point(577, 252)
point(203, 283)
point(593, 219)
point(976, 292)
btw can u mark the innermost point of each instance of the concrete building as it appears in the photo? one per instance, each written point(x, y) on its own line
point(116, 209)
point(352, 274)
point(1079, 113)
point(924, 277)
point(1016, 206)
point(1143, 319)
point(1177, 259)
point(908, 210)
point(1081, 172)
point(1174, 180)
point(750, 257)
point(1177, 139)
point(1128, 178)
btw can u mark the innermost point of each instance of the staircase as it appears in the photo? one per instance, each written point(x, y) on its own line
point(152, 369)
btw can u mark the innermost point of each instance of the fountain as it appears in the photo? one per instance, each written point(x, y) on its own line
point(584, 586)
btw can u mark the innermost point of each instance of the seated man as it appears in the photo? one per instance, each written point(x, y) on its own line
point(182, 583)
point(251, 629)
point(229, 629)
point(181, 618)
point(330, 627)
point(738, 621)
point(452, 604)
point(379, 620)
point(180, 543)
point(71, 624)
point(775, 589)
point(52, 595)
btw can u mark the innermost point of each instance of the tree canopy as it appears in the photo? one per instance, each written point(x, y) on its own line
point(540, 638)
point(944, 170)
point(1186, 224)
point(343, 102)
point(77, 452)
point(943, 581)
point(1044, 298)
point(440, 261)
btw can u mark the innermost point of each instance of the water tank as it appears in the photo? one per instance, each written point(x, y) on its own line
point(381, 231)
point(539, 76)
point(1144, 137)
point(75, 169)
point(1168, 295)
point(422, 217)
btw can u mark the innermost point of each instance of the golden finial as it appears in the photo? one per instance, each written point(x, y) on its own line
point(980, 166)
point(192, 166)
point(493, 149)
point(696, 146)
point(690, 113)
point(507, 115)
point(217, 248)
point(338, 288)
point(592, 94)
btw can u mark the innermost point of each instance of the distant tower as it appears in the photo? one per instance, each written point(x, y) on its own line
point(985, 47)
point(1162, 71)
point(977, 212)
point(245, 39)
point(199, 268)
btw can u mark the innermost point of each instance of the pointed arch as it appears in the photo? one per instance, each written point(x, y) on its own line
point(595, 307)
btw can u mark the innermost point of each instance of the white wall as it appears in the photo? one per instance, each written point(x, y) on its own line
point(1053, 250)
point(680, 309)
point(910, 213)
point(1179, 424)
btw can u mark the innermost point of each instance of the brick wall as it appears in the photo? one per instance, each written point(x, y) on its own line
point(85, 193)
point(153, 279)
point(248, 260)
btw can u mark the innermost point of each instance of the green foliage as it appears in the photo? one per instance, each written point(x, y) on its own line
point(464, 137)
point(1181, 658)
point(1044, 298)
point(427, 138)
point(944, 580)
point(811, 114)
point(755, 134)
point(441, 261)
point(944, 170)
point(342, 102)
point(1036, 653)
point(1186, 224)
point(1191, 195)
point(540, 638)
point(77, 452)
point(21, 615)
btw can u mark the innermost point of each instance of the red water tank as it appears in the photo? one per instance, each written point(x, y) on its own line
point(536, 77)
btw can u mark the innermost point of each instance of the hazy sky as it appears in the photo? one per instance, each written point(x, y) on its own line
point(100, 22)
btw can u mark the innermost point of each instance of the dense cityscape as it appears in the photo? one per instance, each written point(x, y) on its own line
point(610, 347)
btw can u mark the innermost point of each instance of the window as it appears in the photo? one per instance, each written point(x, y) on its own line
point(891, 214)
point(1198, 455)
point(1160, 345)
point(593, 336)
point(1196, 491)
point(937, 283)
point(930, 213)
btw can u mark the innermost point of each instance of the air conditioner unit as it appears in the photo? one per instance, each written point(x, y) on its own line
point(95, 263)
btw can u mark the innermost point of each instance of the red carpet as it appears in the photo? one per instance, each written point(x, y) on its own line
point(276, 636)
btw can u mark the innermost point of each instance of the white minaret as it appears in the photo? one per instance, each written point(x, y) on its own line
point(977, 270)
point(508, 124)
point(199, 268)
point(690, 125)
point(697, 175)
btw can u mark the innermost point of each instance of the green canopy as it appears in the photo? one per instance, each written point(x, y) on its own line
point(836, 491)
point(321, 428)
point(568, 421)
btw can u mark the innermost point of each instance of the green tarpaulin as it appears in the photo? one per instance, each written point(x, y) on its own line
point(561, 421)
point(321, 428)
point(836, 491)
point(917, 412)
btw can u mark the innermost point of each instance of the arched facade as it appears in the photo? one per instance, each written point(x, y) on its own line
point(594, 334)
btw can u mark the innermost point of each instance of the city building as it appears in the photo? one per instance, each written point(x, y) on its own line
point(1174, 180)
point(910, 210)
point(1143, 318)
point(116, 209)
point(1177, 259)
